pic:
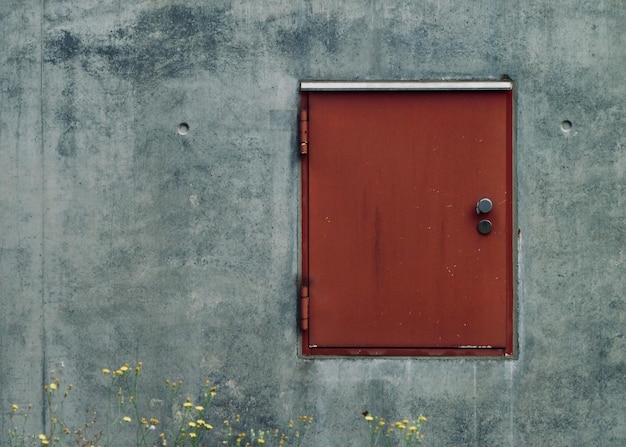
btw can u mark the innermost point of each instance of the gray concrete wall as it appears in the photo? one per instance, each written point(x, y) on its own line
point(122, 240)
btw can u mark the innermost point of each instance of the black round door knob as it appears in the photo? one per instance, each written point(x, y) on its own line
point(484, 226)
point(483, 206)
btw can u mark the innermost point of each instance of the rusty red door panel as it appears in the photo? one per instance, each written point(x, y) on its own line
point(394, 262)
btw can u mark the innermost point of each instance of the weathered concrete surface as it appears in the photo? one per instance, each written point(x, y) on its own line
point(123, 240)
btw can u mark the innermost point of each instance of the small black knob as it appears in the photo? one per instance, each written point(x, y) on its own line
point(484, 226)
point(483, 206)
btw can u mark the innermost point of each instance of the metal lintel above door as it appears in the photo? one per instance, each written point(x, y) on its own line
point(331, 86)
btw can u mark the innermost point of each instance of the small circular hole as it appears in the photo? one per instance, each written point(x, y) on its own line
point(566, 126)
point(183, 128)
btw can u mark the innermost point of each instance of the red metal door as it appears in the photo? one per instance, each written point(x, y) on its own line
point(394, 261)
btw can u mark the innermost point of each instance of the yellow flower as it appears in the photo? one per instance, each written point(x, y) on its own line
point(187, 404)
point(202, 423)
point(192, 435)
point(106, 371)
point(369, 418)
point(422, 419)
point(412, 428)
point(52, 386)
point(126, 419)
point(14, 408)
point(261, 441)
point(154, 421)
point(192, 424)
point(42, 437)
point(199, 408)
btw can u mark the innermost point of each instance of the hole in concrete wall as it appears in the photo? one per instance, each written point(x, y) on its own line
point(566, 126)
point(183, 128)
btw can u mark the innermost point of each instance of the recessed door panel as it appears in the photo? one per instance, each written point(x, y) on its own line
point(399, 254)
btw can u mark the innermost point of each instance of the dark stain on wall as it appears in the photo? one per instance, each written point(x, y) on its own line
point(163, 43)
point(178, 40)
point(62, 46)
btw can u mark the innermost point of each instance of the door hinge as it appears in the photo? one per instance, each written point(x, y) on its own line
point(304, 308)
point(304, 131)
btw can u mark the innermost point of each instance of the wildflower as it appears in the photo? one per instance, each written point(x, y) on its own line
point(261, 441)
point(124, 368)
point(204, 424)
point(126, 419)
point(14, 408)
point(192, 424)
point(154, 421)
point(412, 428)
point(106, 371)
point(213, 391)
point(43, 439)
point(199, 408)
point(422, 419)
point(187, 404)
point(369, 418)
point(52, 386)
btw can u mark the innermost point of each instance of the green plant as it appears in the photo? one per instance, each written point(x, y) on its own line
point(177, 421)
point(402, 433)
